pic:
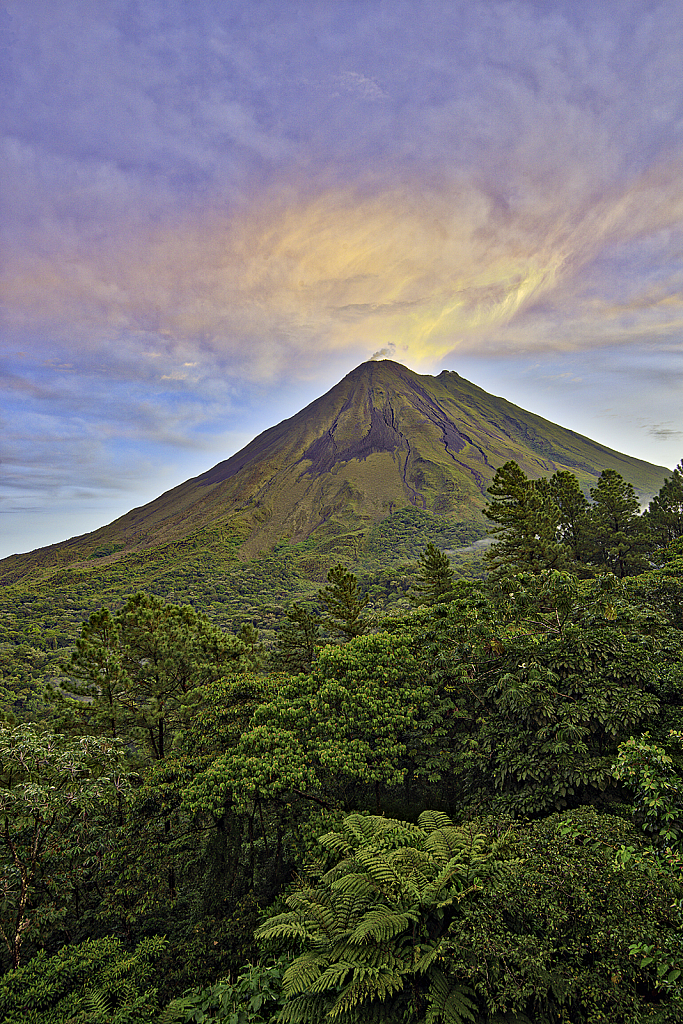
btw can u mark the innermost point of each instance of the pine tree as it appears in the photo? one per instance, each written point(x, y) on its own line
point(134, 673)
point(344, 603)
point(528, 520)
point(436, 577)
point(254, 654)
point(620, 539)
point(298, 639)
point(574, 525)
point(664, 514)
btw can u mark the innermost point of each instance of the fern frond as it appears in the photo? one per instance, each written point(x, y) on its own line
point(449, 1004)
point(277, 928)
point(335, 842)
point(97, 1006)
point(304, 1010)
point(369, 829)
point(366, 984)
point(355, 884)
point(318, 911)
point(427, 959)
point(302, 972)
point(430, 821)
point(348, 865)
point(444, 843)
point(174, 1013)
point(382, 924)
point(349, 908)
point(451, 871)
point(332, 978)
point(379, 868)
point(410, 857)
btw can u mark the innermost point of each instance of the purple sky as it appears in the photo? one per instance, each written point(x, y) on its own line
point(213, 210)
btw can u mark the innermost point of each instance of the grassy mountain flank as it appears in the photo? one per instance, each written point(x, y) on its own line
point(384, 463)
point(383, 439)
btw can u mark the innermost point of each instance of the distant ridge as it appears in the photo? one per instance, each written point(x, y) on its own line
point(382, 439)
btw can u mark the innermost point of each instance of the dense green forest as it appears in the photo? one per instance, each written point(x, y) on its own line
point(423, 790)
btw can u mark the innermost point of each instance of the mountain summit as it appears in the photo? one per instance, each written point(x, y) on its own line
point(382, 439)
point(386, 437)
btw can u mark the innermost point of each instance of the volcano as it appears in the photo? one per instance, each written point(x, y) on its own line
point(383, 439)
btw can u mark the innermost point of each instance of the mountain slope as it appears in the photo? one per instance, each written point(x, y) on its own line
point(382, 439)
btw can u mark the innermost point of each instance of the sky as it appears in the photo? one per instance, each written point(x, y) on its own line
point(212, 210)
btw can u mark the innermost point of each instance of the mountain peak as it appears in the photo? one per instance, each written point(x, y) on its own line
point(382, 439)
point(385, 438)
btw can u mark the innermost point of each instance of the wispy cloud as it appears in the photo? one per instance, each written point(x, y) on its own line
point(427, 270)
point(206, 202)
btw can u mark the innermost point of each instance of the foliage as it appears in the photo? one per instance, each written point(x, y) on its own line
point(252, 998)
point(435, 579)
point(528, 522)
point(322, 735)
point(542, 689)
point(495, 701)
point(552, 940)
point(647, 769)
point(96, 982)
point(57, 801)
point(374, 926)
point(574, 528)
point(299, 638)
point(344, 603)
point(665, 512)
point(136, 673)
point(548, 524)
point(620, 537)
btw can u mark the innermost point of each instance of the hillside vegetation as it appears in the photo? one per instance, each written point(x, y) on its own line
point(385, 463)
point(417, 797)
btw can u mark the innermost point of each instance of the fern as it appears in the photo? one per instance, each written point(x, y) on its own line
point(449, 1004)
point(332, 978)
point(375, 925)
point(286, 926)
point(430, 821)
point(302, 974)
point(96, 1007)
point(382, 924)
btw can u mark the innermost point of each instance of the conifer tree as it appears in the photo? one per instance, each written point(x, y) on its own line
point(254, 654)
point(619, 534)
point(298, 638)
point(436, 577)
point(664, 515)
point(574, 525)
point(133, 673)
point(528, 522)
point(345, 604)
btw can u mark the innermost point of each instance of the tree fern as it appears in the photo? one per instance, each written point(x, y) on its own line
point(382, 924)
point(429, 821)
point(373, 927)
point(448, 1004)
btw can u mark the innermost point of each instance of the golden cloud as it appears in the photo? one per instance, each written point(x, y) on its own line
point(425, 270)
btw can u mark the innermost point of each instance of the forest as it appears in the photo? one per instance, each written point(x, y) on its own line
point(461, 803)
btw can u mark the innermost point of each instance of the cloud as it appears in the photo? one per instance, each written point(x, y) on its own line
point(663, 432)
point(424, 269)
point(358, 85)
point(385, 353)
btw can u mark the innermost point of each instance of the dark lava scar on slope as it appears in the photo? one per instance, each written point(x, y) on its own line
point(381, 437)
point(453, 440)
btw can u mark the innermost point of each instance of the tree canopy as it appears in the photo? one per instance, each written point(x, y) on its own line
point(417, 797)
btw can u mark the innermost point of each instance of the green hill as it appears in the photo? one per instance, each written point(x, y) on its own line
point(382, 439)
point(385, 462)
